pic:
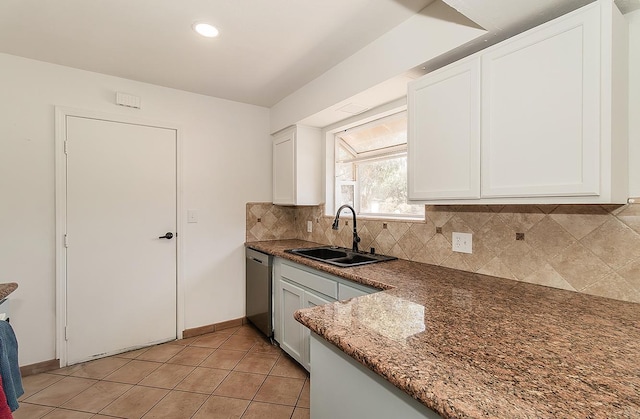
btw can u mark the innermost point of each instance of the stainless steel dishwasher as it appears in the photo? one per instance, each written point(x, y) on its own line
point(259, 290)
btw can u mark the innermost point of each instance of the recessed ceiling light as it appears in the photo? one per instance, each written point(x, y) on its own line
point(205, 29)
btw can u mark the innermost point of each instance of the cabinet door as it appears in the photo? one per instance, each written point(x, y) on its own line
point(541, 112)
point(311, 300)
point(444, 133)
point(277, 293)
point(292, 333)
point(284, 168)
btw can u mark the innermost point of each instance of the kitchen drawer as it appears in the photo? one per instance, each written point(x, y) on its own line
point(348, 291)
point(309, 280)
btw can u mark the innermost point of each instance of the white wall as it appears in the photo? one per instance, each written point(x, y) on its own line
point(435, 30)
point(634, 102)
point(226, 149)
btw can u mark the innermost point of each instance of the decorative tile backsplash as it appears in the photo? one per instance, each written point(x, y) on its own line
point(266, 221)
point(593, 249)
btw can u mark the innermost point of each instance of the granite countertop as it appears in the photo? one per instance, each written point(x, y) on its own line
point(469, 345)
point(7, 288)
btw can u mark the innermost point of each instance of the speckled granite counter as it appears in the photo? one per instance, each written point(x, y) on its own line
point(469, 345)
point(7, 288)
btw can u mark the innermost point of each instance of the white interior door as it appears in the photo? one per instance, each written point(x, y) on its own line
point(121, 197)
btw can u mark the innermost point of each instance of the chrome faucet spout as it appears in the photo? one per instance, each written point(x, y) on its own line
point(356, 238)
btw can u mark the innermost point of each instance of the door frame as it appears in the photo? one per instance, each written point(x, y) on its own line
point(61, 114)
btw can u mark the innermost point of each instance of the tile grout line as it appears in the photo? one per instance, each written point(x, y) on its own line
point(172, 389)
point(168, 390)
point(279, 355)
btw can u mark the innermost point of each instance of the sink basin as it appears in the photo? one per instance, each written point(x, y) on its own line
point(339, 256)
point(321, 253)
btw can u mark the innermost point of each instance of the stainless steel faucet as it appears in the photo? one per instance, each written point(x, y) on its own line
point(334, 226)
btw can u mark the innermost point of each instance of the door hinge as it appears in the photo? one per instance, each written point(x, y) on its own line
point(66, 241)
point(66, 333)
point(65, 147)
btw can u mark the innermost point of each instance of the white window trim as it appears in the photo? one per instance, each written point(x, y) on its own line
point(390, 152)
point(379, 112)
point(356, 195)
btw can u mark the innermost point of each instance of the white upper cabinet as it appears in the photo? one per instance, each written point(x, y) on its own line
point(444, 133)
point(541, 111)
point(284, 168)
point(552, 117)
point(297, 169)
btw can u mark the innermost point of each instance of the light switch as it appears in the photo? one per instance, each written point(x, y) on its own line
point(192, 216)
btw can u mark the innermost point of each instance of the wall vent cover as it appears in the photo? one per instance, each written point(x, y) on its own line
point(125, 99)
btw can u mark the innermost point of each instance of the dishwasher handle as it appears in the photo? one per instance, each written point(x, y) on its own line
point(259, 257)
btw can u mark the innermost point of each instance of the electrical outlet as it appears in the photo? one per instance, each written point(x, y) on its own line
point(309, 226)
point(461, 242)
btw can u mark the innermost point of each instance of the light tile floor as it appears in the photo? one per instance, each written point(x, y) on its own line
point(233, 373)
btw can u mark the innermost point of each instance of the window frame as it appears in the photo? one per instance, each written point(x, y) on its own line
point(332, 144)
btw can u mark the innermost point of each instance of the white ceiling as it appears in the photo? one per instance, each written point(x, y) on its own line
point(266, 50)
point(627, 6)
point(501, 15)
point(500, 18)
point(515, 15)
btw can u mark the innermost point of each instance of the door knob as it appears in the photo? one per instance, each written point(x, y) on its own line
point(167, 236)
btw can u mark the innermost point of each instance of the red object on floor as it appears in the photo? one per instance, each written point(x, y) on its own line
point(5, 412)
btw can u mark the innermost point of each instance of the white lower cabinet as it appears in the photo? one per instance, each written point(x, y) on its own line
point(351, 291)
point(342, 388)
point(310, 300)
point(291, 335)
point(296, 287)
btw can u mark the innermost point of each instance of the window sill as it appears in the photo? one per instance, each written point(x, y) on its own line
point(380, 217)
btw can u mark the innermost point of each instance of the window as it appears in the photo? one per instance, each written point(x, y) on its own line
point(371, 168)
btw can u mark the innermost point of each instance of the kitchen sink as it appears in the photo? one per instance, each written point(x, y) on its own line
point(339, 256)
point(321, 253)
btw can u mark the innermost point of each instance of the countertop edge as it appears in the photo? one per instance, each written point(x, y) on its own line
point(349, 273)
point(7, 288)
point(491, 340)
point(434, 403)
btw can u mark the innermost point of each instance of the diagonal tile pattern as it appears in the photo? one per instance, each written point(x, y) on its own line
point(593, 249)
point(269, 222)
point(184, 379)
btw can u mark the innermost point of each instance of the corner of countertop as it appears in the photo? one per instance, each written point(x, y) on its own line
point(7, 288)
